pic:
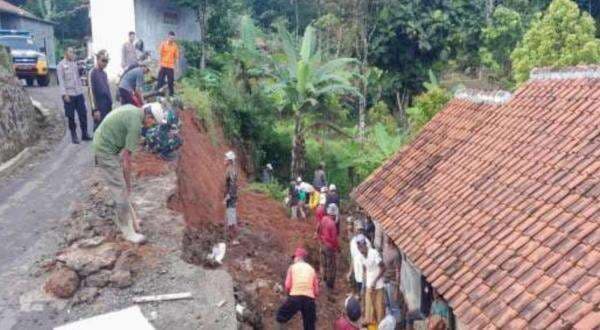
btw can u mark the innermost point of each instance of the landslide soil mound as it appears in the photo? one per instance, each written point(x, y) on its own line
point(267, 235)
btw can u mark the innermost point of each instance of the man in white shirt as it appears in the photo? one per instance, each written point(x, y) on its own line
point(356, 267)
point(374, 269)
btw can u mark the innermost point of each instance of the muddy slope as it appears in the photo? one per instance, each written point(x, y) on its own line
point(267, 235)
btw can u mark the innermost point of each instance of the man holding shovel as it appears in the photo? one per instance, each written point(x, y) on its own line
point(115, 140)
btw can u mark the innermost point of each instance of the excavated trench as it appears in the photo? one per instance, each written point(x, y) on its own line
point(267, 236)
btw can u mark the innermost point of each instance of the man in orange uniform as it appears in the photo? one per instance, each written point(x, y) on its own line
point(169, 55)
point(302, 285)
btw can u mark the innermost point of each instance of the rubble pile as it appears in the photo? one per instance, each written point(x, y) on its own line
point(93, 258)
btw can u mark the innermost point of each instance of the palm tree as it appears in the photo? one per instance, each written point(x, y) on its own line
point(302, 80)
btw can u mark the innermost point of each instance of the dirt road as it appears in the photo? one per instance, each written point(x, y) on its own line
point(32, 203)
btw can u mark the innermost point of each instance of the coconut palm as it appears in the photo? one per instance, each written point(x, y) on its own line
point(301, 80)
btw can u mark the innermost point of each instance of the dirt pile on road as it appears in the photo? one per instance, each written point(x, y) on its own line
point(267, 236)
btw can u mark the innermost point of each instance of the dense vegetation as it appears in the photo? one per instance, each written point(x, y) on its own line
point(348, 82)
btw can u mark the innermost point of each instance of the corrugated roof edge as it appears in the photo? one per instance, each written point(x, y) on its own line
point(575, 72)
point(487, 97)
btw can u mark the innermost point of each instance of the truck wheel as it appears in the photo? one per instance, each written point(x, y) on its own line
point(43, 81)
point(29, 81)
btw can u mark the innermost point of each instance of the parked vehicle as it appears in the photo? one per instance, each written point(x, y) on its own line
point(29, 62)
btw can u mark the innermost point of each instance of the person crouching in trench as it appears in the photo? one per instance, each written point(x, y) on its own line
point(230, 197)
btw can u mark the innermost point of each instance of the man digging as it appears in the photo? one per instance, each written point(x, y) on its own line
point(115, 140)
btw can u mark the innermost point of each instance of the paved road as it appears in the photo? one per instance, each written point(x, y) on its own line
point(32, 203)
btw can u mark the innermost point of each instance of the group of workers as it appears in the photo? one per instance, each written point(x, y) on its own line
point(118, 131)
point(374, 264)
point(134, 65)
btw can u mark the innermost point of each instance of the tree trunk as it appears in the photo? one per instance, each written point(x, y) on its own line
point(298, 162)
point(203, 34)
point(489, 11)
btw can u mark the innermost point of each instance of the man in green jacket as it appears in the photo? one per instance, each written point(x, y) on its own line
point(115, 140)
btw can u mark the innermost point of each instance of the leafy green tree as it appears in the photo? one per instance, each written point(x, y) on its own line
point(500, 38)
point(302, 80)
point(563, 36)
point(427, 104)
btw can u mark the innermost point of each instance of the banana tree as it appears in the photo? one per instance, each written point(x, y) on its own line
point(301, 79)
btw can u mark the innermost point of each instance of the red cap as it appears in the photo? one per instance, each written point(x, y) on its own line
point(300, 252)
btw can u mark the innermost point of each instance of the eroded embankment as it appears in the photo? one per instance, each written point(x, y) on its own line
point(267, 236)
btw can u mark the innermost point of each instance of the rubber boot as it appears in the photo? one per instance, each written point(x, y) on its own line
point(74, 138)
point(126, 227)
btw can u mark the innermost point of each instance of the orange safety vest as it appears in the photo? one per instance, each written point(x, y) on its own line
point(169, 54)
point(303, 277)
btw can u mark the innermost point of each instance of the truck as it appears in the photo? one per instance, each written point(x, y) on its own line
point(29, 62)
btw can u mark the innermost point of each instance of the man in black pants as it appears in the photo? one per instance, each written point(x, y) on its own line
point(71, 90)
point(169, 56)
point(101, 96)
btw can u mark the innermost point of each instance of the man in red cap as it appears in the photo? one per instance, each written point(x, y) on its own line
point(302, 286)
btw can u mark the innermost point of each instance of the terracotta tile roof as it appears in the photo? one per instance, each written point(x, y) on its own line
point(498, 203)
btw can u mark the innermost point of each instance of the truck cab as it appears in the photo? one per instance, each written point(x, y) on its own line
point(29, 62)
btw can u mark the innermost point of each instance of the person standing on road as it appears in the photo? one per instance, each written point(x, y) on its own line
point(302, 286)
point(131, 84)
point(169, 56)
point(71, 90)
point(129, 56)
point(330, 246)
point(116, 139)
point(230, 201)
point(101, 96)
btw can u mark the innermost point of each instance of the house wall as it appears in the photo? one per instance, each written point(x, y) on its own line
point(111, 22)
point(155, 18)
point(42, 33)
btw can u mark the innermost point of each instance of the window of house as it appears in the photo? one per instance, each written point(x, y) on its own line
point(170, 18)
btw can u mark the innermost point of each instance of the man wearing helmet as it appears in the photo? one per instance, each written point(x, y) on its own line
point(230, 196)
point(115, 140)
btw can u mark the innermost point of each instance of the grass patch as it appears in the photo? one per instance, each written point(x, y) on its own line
point(273, 190)
point(202, 102)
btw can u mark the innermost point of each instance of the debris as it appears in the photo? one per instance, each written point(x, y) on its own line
point(278, 288)
point(89, 261)
point(99, 279)
point(130, 318)
point(86, 295)
point(89, 242)
point(129, 260)
point(62, 283)
point(218, 253)
point(222, 303)
point(247, 265)
point(121, 279)
point(153, 315)
point(163, 297)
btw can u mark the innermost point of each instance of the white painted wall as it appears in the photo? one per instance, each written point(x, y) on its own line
point(111, 22)
point(152, 26)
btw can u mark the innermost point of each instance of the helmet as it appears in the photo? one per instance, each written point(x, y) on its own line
point(157, 111)
point(269, 166)
point(230, 155)
point(299, 179)
point(332, 187)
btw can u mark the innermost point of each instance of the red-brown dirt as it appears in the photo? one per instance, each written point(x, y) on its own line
point(267, 235)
